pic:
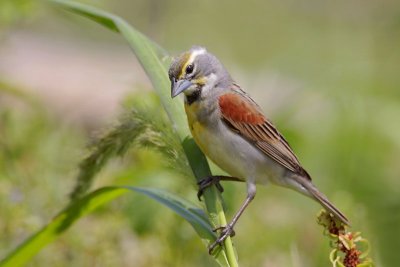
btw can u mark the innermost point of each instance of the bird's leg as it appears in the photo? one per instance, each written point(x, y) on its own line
point(228, 229)
point(214, 180)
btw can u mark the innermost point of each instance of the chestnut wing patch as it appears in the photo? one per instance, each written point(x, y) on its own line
point(246, 119)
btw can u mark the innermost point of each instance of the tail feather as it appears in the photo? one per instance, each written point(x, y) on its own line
point(322, 199)
point(329, 206)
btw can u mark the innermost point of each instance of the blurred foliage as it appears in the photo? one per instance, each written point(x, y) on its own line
point(325, 72)
point(17, 153)
point(92, 201)
point(13, 11)
point(144, 127)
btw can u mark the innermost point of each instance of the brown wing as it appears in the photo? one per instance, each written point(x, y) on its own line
point(243, 116)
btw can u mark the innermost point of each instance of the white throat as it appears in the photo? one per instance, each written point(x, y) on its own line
point(209, 86)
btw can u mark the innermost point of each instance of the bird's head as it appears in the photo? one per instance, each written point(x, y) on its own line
point(195, 71)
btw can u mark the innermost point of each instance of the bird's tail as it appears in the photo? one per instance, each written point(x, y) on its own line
point(322, 199)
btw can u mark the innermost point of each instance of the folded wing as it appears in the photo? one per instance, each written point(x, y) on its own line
point(243, 116)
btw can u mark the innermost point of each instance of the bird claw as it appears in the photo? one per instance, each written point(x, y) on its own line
point(223, 229)
point(226, 231)
point(207, 182)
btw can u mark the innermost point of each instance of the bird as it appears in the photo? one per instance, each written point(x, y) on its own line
point(232, 131)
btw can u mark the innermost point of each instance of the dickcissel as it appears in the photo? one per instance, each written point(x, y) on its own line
point(231, 130)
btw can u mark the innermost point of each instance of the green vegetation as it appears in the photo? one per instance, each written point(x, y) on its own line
point(349, 141)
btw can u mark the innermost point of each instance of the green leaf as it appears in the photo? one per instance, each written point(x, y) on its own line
point(59, 224)
point(81, 207)
point(190, 213)
point(194, 215)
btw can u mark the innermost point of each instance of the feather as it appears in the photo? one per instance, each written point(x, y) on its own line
point(243, 116)
point(321, 198)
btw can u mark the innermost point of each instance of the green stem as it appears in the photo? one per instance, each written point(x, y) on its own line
point(212, 197)
point(229, 250)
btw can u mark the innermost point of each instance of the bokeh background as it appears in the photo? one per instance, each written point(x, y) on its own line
point(327, 73)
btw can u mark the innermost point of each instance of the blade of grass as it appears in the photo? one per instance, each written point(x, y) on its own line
point(23, 253)
point(155, 63)
point(190, 213)
point(65, 219)
point(195, 216)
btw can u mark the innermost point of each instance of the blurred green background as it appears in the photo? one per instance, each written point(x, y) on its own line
point(327, 74)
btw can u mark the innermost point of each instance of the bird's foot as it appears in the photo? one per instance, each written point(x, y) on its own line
point(226, 231)
point(207, 182)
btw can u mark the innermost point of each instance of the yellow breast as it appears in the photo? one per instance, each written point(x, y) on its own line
point(198, 130)
point(217, 144)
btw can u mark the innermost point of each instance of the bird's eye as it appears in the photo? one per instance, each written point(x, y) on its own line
point(189, 69)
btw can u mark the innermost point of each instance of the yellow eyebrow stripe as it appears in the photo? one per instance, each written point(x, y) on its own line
point(185, 60)
point(189, 59)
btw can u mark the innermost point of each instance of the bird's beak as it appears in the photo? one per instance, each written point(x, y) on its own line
point(179, 86)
